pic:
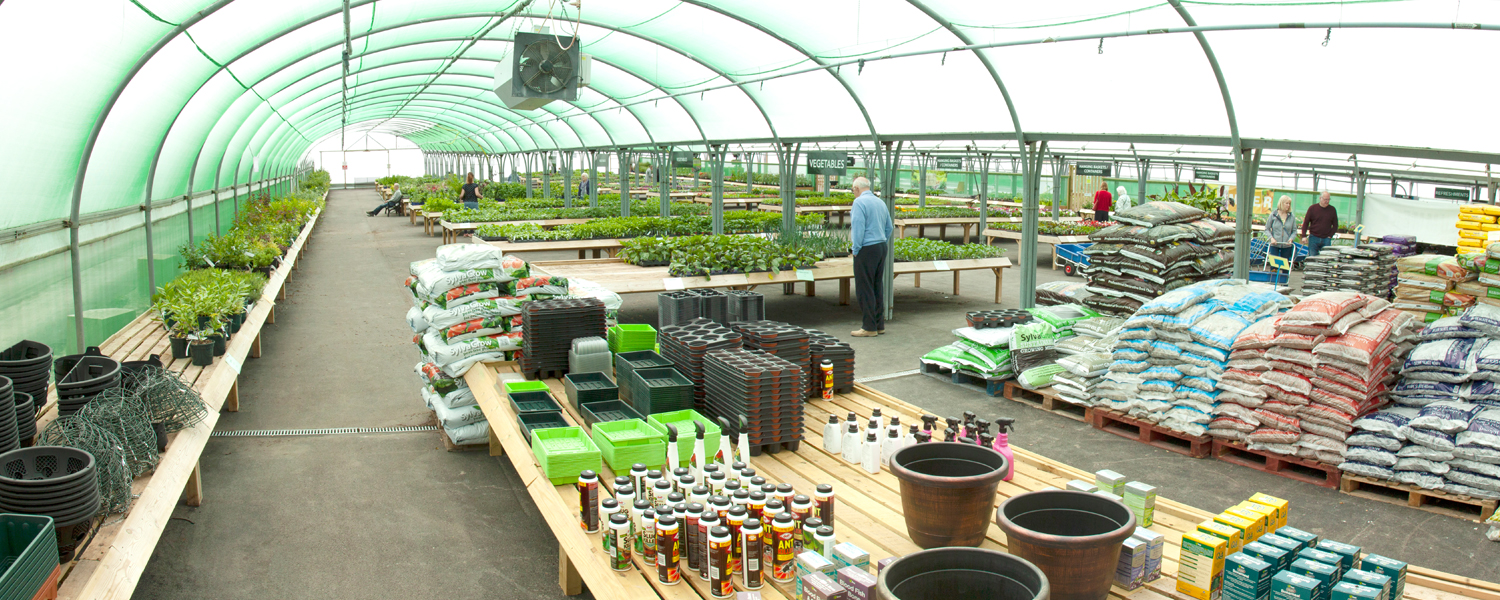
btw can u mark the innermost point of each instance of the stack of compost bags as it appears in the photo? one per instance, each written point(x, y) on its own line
point(1365, 269)
point(1426, 286)
point(1157, 247)
point(1054, 293)
point(1301, 379)
point(1445, 432)
point(1475, 222)
point(1173, 351)
point(1034, 344)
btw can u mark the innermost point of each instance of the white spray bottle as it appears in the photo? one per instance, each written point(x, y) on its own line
point(742, 453)
point(700, 455)
point(672, 459)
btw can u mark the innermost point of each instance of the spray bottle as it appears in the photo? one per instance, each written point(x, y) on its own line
point(832, 437)
point(852, 443)
point(967, 430)
point(951, 433)
point(726, 454)
point(922, 437)
point(870, 456)
point(929, 422)
point(700, 456)
point(742, 452)
point(673, 461)
point(1002, 445)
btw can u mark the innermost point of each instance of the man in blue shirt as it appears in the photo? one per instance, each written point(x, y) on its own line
point(870, 232)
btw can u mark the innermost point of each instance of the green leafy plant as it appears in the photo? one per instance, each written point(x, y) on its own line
point(922, 249)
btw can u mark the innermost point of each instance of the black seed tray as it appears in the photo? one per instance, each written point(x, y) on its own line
point(673, 308)
point(550, 326)
point(660, 390)
point(625, 362)
point(712, 304)
point(541, 420)
point(533, 401)
point(745, 305)
point(610, 410)
point(584, 388)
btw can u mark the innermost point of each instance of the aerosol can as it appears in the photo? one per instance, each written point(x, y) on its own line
point(827, 367)
point(832, 438)
point(1002, 445)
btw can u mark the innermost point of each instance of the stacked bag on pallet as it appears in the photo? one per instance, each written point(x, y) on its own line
point(1297, 382)
point(1475, 222)
point(468, 304)
point(1054, 293)
point(1485, 288)
point(1445, 432)
point(1364, 269)
point(1172, 352)
point(1155, 248)
point(1426, 286)
point(1041, 335)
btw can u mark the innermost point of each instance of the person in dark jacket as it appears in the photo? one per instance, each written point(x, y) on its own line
point(1319, 225)
point(1102, 201)
point(470, 194)
point(584, 186)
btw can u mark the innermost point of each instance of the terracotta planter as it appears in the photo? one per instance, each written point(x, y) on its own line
point(1073, 537)
point(957, 573)
point(947, 491)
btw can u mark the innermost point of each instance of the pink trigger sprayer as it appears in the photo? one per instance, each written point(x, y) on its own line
point(1002, 445)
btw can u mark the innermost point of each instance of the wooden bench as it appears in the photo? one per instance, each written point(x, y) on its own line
point(113, 562)
point(869, 505)
point(828, 212)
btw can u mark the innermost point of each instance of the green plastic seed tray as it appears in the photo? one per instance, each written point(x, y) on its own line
point(28, 550)
point(530, 422)
point(683, 420)
point(512, 387)
point(530, 402)
point(564, 452)
point(632, 338)
point(584, 388)
point(627, 362)
point(608, 410)
point(624, 443)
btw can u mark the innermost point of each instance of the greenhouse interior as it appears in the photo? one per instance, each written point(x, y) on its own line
point(1224, 283)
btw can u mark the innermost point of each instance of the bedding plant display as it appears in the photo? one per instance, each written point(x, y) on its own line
point(532, 210)
point(740, 221)
point(710, 255)
point(922, 249)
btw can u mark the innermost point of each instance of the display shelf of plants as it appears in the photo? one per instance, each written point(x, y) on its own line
point(710, 255)
point(922, 249)
point(738, 221)
point(530, 210)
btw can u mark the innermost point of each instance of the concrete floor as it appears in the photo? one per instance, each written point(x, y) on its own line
point(394, 516)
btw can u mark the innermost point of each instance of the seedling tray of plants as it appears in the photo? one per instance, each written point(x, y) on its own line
point(683, 420)
point(530, 422)
point(563, 453)
point(608, 410)
point(530, 402)
point(584, 388)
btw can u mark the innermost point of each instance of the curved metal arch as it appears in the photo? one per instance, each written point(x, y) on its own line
point(374, 101)
point(515, 144)
point(320, 115)
point(287, 148)
point(1015, 120)
point(1213, 62)
point(458, 121)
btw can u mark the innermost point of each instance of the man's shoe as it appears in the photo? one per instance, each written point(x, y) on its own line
point(863, 333)
point(881, 332)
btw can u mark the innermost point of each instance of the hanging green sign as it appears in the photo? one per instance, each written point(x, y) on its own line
point(682, 160)
point(1205, 174)
point(827, 162)
point(1094, 169)
point(950, 164)
point(1452, 193)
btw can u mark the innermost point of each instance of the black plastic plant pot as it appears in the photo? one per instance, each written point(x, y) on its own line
point(44, 466)
point(221, 344)
point(202, 353)
point(87, 373)
point(29, 379)
point(1074, 537)
point(25, 402)
point(179, 348)
point(236, 321)
point(67, 491)
point(54, 507)
point(962, 574)
point(25, 355)
point(62, 366)
point(161, 436)
point(5, 386)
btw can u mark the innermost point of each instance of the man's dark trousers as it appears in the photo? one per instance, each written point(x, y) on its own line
point(869, 265)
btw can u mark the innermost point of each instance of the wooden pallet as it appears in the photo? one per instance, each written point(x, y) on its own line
point(1433, 501)
point(992, 387)
point(452, 447)
point(1047, 400)
point(1146, 433)
point(1290, 467)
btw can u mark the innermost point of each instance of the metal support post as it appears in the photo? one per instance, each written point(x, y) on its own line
point(716, 187)
point(786, 162)
point(1246, 168)
point(594, 178)
point(984, 192)
point(546, 175)
point(1059, 193)
point(526, 160)
point(749, 172)
point(922, 183)
point(567, 167)
point(664, 178)
point(625, 183)
point(1031, 177)
point(1143, 168)
point(1359, 197)
point(886, 162)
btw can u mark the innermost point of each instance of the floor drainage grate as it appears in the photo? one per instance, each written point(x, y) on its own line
point(887, 376)
point(333, 431)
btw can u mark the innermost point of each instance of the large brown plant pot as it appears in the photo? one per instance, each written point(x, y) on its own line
point(1073, 537)
point(947, 491)
point(962, 574)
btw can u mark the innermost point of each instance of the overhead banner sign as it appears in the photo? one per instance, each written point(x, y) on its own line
point(828, 162)
point(1094, 169)
point(950, 164)
point(1205, 174)
point(682, 160)
point(1452, 193)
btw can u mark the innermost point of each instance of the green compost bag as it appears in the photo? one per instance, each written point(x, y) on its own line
point(982, 358)
point(1062, 316)
point(1033, 344)
point(943, 356)
point(1040, 376)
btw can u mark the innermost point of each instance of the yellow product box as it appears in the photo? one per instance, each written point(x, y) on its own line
point(1200, 566)
point(1257, 522)
point(1235, 537)
point(1244, 524)
point(1276, 503)
point(1270, 525)
point(1467, 225)
point(1478, 218)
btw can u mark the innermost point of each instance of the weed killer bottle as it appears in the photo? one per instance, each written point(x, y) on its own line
point(677, 475)
point(832, 438)
point(690, 535)
point(660, 490)
point(826, 541)
point(608, 508)
point(699, 495)
point(588, 501)
point(649, 492)
point(648, 537)
point(823, 501)
point(637, 476)
point(720, 581)
point(668, 551)
point(638, 524)
point(716, 482)
point(810, 526)
point(752, 543)
point(706, 524)
point(736, 521)
point(619, 542)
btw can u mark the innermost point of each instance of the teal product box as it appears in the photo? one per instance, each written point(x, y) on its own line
point(1370, 579)
point(1156, 543)
point(1130, 572)
point(1323, 556)
point(1285, 543)
point(810, 562)
point(1276, 556)
point(1344, 590)
point(1287, 585)
point(1389, 567)
point(850, 555)
point(1247, 577)
point(1326, 574)
point(1349, 555)
point(1307, 540)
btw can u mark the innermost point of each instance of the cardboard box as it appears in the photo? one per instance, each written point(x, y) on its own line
point(1322, 556)
point(1285, 543)
point(1287, 585)
point(1389, 567)
point(1276, 556)
point(1201, 565)
point(1257, 521)
point(1130, 571)
point(1247, 577)
point(1269, 525)
point(1079, 485)
point(1110, 481)
point(1347, 591)
point(850, 555)
point(884, 562)
point(1326, 574)
point(1246, 526)
point(860, 584)
point(1370, 579)
point(1307, 540)
point(1141, 499)
point(810, 562)
point(819, 586)
point(1235, 537)
point(1348, 554)
point(1157, 544)
point(1276, 503)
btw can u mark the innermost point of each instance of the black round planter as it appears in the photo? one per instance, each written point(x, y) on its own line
point(236, 321)
point(962, 574)
point(179, 348)
point(62, 366)
point(45, 466)
point(947, 491)
point(221, 343)
point(25, 356)
point(202, 353)
point(87, 373)
point(1074, 537)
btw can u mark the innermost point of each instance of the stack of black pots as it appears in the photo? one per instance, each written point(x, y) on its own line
point(80, 377)
point(9, 437)
point(55, 481)
point(27, 365)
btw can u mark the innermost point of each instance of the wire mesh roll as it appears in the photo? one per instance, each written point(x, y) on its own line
point(109, 457)
point(123, 414)
point(168, 400)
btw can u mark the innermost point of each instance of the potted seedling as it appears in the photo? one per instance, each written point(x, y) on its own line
point(201, 346)
point(177, 319)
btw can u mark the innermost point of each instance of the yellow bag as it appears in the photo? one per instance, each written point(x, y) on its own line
point(1467, 225)
point(1491, 210)
point(1476, 218)
point(1468, 243)
point(1476, 209)
point(1489, 227)
point(1473, 235)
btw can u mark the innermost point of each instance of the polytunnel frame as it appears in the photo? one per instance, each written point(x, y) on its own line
point(1238, 147)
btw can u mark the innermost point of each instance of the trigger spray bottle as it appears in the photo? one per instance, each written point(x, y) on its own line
point(673, 460)
point(1002, 445)
point(699, 454)
point(742, 451)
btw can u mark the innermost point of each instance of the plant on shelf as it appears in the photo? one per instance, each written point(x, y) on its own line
point(711, 255)
point(1050, 228)
point(921, 249)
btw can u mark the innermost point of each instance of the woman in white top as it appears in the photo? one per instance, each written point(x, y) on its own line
point(1122, 199)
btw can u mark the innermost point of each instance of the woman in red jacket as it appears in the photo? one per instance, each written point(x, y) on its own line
point(1102, 200)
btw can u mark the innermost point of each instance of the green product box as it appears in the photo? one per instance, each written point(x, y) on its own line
point(850, 555)
point(1247, 577)
point(1110, 481)
point(1389, 567)
point(1370, 579)
point(1326, 574)
point(1291, 586)
point(1285, 543)
point(1276, 556)
point(1323, 556)
point(1307, 540)
point(1348, 555)
point(1141, 498)
point(1344, 590)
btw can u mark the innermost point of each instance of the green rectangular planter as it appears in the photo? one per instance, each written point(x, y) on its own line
point(624, 443)
point(563, 453)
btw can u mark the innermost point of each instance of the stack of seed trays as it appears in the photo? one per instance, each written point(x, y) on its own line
point(631, 338)
point(1320, 271)
point(822, 346)
point(533, 402)
point(745, 305)
point(660, 390)
point(713, 305)
point(762, 389)
point(548, 328)
point(982, 319)
point(563, 453)
point(675, 308)
point(686, 434)
point(608, 410)
point(784, 340)
point(584, 388)
point(535, 421)
point(625, 362)
point(624, 443)
point(589, 355)
point(686, 345)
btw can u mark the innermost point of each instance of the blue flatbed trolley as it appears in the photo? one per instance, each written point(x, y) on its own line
point(1072, 257)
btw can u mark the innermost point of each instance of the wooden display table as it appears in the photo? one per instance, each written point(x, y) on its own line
point(733, 203)
point(453, 231)
point(842, 210)
point(869, 505)
point(1054, 240)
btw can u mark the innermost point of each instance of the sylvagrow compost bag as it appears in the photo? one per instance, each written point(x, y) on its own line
point(1033, 344)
